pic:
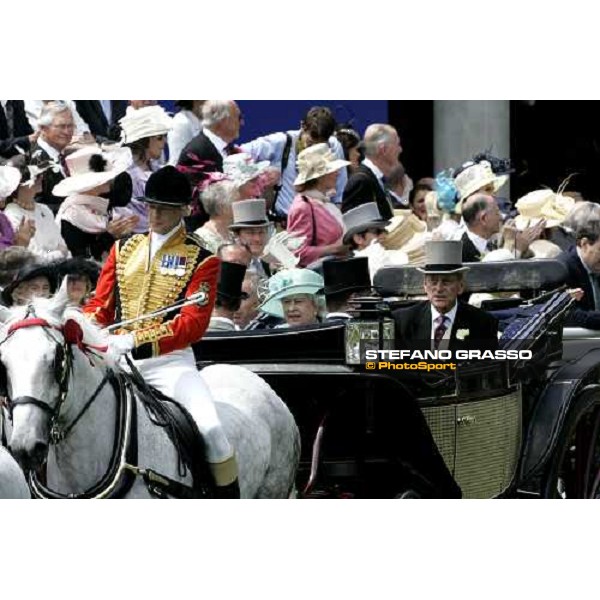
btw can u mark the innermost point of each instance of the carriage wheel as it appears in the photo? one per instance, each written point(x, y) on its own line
point(575, 468)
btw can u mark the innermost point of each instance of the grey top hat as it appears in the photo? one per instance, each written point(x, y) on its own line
point(249, 213)
point(361, 218)
point(443, 257)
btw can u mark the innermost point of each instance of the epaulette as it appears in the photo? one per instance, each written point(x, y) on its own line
point(192, 238)
point(122, 241)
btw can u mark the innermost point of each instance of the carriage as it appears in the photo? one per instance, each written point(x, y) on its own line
point(510, 428)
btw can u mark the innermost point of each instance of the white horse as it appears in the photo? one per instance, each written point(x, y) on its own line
point(66, 412)
point(12, 481)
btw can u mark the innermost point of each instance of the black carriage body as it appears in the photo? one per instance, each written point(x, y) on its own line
point(498, 426)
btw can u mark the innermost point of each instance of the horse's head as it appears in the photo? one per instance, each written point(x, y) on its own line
point(37, 359)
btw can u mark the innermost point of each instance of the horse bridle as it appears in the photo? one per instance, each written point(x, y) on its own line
point(62, 372)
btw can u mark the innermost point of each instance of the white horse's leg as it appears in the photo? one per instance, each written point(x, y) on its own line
point(177, 376)
point(259, 426)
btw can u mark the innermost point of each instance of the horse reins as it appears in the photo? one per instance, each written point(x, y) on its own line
point(117, 478)
point(122, 472)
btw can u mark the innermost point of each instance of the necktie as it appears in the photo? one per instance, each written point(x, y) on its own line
point(231, 149)
point(440, 330)
point(63, 164)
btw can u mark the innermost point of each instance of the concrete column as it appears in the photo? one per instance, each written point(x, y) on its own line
point(462, 128)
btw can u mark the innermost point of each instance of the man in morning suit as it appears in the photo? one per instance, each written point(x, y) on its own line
point(367, 184)
point(221, 122)
point(483, 219)
point(442, 322)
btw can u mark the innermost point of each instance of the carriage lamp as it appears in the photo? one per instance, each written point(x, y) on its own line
point(361, 336)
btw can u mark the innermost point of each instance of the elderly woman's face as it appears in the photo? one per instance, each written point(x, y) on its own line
point(300, 309)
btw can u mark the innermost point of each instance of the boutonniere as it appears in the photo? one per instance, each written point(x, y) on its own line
point(461, 334)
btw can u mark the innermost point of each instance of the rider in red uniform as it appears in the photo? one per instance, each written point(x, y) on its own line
point(150, 271)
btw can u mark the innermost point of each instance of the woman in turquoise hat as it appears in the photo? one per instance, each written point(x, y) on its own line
point(295, 295)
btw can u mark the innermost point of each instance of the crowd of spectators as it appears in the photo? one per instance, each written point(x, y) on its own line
point(293, 211)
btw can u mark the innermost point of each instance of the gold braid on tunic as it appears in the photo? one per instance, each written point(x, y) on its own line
point(145, 286)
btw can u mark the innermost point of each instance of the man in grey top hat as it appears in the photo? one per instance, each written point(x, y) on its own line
point(442, 322)
point(365, 228)
point(251, 228)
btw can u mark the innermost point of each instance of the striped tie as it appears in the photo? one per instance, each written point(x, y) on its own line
point(440, 330)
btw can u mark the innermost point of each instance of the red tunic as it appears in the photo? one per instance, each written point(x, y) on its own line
point(131, 285)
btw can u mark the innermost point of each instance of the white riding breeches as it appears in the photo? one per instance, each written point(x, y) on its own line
point(176, 375)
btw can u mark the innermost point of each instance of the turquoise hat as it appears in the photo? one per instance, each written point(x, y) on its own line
point(289, 282)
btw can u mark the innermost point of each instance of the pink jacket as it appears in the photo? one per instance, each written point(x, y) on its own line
point(327, 229)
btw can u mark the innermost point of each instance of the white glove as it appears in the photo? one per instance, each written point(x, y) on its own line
point(120, 344)
point(280, 248)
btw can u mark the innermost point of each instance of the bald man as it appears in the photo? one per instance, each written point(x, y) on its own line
point(483, 220)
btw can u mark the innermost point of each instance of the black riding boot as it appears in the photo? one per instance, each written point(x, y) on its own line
point(231, 491)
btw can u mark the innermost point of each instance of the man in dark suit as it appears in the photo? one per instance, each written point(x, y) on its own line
point(221, 121)
point(15, 129)
point(367, 184)
point(483, 219)
point(583, 269)
point(442, 322)
point(56, 133)
point(102, 117)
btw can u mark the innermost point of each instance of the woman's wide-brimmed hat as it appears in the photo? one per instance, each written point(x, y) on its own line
point(167, 187)
point(401, 229)
point(143, 123)
point(28, 272)
point(443, 257)
point(249, 213)
point(241, 169)
point(542, 204)
point(31, 165)
point(316, 161)
point(477, 176)
point(90, 167)
point(362, 218)
point(290, 282)
point(10, 177)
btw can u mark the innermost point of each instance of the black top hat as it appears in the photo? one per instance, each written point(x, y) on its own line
point(346, 275)
point(231, 278)
point(27, 273)
point(168, 187)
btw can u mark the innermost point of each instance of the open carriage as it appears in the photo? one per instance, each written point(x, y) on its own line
point(504, 428)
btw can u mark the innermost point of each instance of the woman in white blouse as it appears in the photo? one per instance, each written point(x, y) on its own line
point(47, 243)
point(186, 126)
